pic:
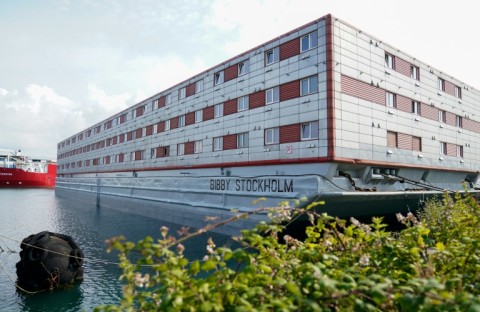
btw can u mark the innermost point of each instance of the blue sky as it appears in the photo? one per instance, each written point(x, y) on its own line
point(66, 65)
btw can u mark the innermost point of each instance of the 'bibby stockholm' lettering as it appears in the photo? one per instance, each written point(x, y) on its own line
point(253, 185)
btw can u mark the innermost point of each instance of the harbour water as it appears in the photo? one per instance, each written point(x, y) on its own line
point(29, 211)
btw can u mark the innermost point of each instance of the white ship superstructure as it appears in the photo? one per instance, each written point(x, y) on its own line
point(324, 112)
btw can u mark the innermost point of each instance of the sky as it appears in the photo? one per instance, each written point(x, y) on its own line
point(66, 65)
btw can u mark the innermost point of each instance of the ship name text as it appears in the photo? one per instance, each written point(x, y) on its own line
point(252, 185)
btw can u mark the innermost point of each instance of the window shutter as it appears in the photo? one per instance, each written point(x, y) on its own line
point(290, 133)
point(290, 48)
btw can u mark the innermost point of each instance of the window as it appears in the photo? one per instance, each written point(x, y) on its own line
point(441, 84)
point(198, 146)
point(218, 144)
point(416, 108)
point(181, 121)
point(459, 151)
point(218, 110)
point(308, 42)
point(310, 130)
point(168, 98)
point(414, 72)
point(199, 86)
point(309, 85)
point(155, 104)
point(272, 136)
point(391, 100)
point(272, 56)
point(458, 92)
point(242, 103)
point(242, 140)
point(152, 153)
point(198, 116)
point(392, 139)
point(272, 95)
point(459, 121)
point(442, 116)
point(443, 148)
point(218, 78)
point(167, 125)
point(181, 149)
point(389, 61)
point(182, 93)
point(243, 68)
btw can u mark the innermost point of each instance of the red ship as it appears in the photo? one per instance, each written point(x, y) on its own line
point(19, 171)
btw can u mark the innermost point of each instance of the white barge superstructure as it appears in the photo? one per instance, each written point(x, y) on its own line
point(324, 112)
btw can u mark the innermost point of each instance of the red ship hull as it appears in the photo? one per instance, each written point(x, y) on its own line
point(18, 178)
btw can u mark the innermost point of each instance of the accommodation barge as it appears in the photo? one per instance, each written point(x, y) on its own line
point(324, 112)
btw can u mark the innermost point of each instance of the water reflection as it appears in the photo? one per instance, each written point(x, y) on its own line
point(25, 212)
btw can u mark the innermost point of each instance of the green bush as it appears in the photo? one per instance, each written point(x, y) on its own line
point(433, 264)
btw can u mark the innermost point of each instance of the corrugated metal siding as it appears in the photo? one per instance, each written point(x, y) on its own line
point(230, 142)
point(404, 141)
point(230, 107)
point(190, 118)
point(189, 148)
point(451, 119)
point(231, 72)
point(208, 113)
point(290, 90)
point(402, 66)
point(289, 49)
point(362, 90)
point(190, 89)
point(290, 133)
point(257, 99)
point(404, 104)
point(449, 88)
point(428, 111)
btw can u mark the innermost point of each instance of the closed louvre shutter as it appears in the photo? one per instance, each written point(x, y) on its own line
point(290, 133)
point(391, 139)
point(429, 112)
point(449, 88)
point(405, 141)
point(451, 119)
point(189, 148)
point(230, 107)
point(451, 149)
point(363, 90)
point(404, 104)
point(290, 90)
point(138, 133)
point(257, 99)
point(129, 135)
point(174, 123)
point(402, 66)
point(161, 126)
point(190, 89)
point(416, 144)
point(190, 118)
point(149, 130)
point(289, 49)
point(139, 111)
point(231, 72)
point(208, 113)
point(230, 142)
point(138, 155)
point(162, 101)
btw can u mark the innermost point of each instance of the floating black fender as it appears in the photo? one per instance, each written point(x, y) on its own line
point(49, 260)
